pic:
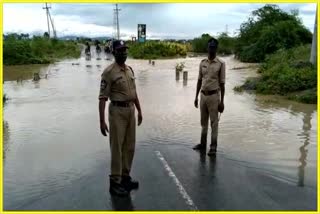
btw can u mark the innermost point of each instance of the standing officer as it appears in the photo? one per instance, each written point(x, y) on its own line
point(211, 81)
point(118, 85)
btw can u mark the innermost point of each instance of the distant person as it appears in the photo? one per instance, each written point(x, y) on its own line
point(87, 50)
point(118, 85)
point(98, 48)
point(107, 48)
point(211, 82)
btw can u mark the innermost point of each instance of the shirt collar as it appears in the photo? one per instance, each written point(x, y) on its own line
point(120, 68)
point(214, 60)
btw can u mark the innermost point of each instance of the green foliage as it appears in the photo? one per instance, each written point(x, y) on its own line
point(20, 49)
point(238, 89)
point(200, 45)
point(249, 85)
point(155, 50)
point(307, 96)
point(267, 30)
point(286, 72)
point(226, 44)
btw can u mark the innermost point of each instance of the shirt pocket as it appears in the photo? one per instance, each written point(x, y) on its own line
point(204, 70)
point(214, 74)
point(120, 83)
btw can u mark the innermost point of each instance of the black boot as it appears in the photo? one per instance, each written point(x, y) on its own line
point(129, 184)
point(212, 152)
point(117, 189)
point(200, 147)
point(213, 148)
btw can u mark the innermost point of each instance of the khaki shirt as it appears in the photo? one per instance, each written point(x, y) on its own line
point(117, 83)
point(209, 74)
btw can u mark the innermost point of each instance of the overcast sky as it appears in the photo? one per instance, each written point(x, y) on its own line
point(179, 21)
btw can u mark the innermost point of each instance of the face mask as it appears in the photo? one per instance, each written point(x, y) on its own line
point(212, 52)
point(120, 57)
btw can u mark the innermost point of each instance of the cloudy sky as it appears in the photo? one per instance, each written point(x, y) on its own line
point(179, 21)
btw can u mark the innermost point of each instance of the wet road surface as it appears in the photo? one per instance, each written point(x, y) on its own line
point(56, 159)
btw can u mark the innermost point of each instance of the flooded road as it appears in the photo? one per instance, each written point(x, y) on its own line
point(56, 158)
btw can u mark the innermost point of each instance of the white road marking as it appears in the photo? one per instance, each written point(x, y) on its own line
point(182, 191)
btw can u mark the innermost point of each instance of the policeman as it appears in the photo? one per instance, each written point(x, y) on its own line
point(211, 82)
point(118, 85)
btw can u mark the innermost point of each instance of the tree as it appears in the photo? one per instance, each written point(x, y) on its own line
point(267, 30)
point(46, 35)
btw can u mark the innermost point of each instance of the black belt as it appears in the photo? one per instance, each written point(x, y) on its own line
point(207, 93)
point(121, 103)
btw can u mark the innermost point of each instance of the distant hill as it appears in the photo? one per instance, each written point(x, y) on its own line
point(71, 37)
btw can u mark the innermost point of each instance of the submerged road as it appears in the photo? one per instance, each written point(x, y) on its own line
point(55, 157)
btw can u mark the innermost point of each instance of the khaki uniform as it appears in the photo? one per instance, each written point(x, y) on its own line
point(118, 84)
point(212, 73)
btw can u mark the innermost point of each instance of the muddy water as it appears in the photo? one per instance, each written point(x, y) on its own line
point(52, 137)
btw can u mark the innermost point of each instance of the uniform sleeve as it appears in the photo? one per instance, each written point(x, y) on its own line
point(105, 86)
point(200, 73)
point(222, 78)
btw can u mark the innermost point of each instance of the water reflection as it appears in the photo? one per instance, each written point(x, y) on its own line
point(185, 82)
point(306, 127)
point(36, 84)
point(6, 135)
point(203, 158)
point(23, 72)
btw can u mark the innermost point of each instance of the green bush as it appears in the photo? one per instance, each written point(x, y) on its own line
point(267, 30)
point(155, 50)
point(226, 44)
point(20, 49)
point(287, 71)
point(200, 44)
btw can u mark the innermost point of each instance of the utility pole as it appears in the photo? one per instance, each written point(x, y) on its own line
point(47, 12)
point(313, 55)
point(116, 22)
point(49, 19)
point(53, 29)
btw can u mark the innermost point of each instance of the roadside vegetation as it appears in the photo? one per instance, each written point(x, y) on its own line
point(282, 45)
point(157, 49)
point(19, 49)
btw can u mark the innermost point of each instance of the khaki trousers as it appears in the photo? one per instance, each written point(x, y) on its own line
point(122, 123)
point(209, 108)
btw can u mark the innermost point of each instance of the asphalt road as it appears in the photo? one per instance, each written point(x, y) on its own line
point(178, 178)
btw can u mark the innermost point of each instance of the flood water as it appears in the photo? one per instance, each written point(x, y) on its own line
point(52, 136)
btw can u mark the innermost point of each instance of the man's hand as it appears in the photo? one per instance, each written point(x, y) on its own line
point(196, 103)
point(139, 118)
point(221, 107)
point(104, 128)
